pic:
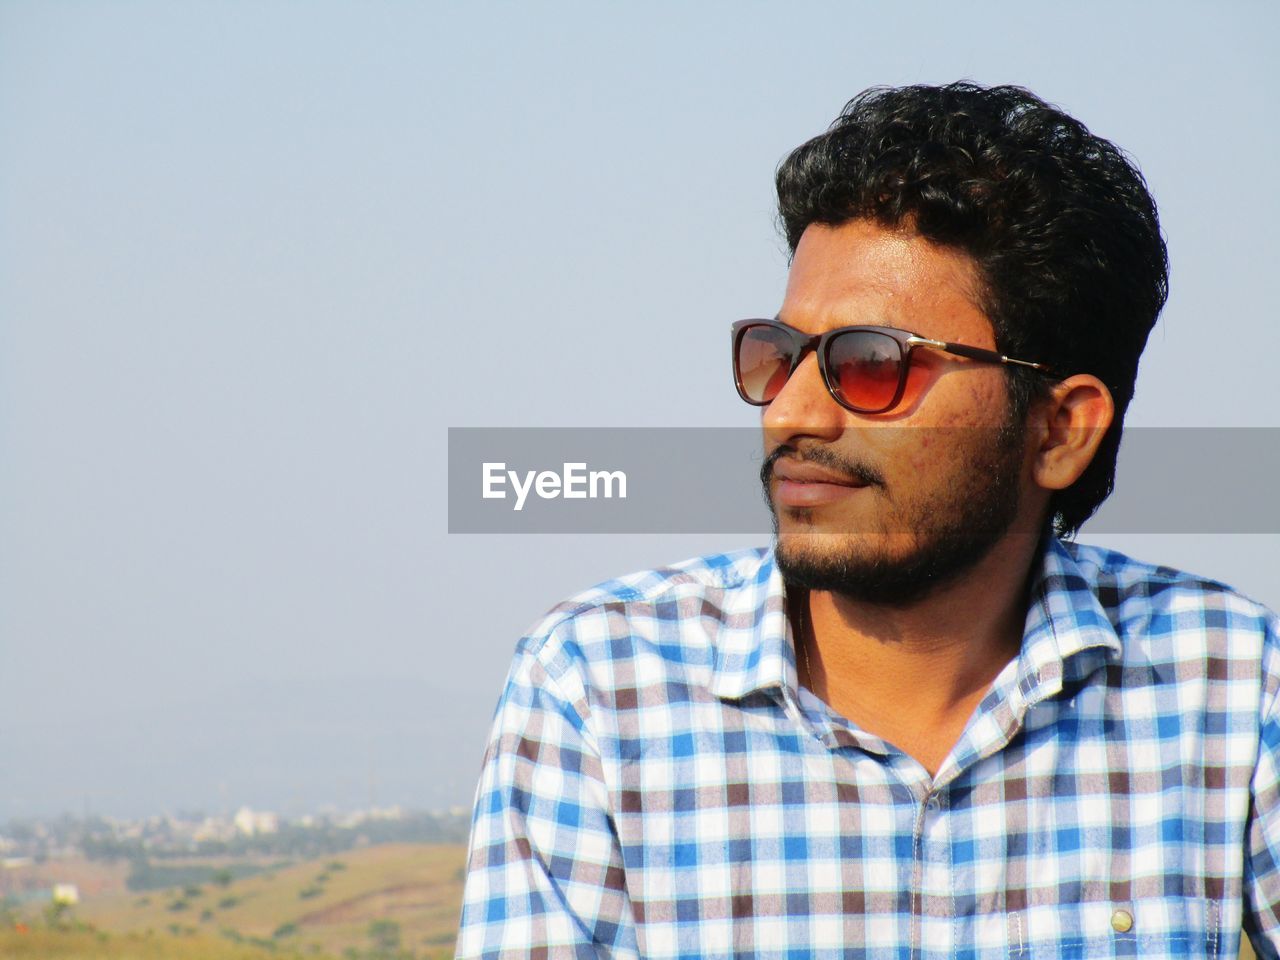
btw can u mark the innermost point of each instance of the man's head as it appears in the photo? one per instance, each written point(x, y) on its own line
point(1070, 267)
point(979, 217)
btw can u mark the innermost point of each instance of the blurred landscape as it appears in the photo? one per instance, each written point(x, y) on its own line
point(383, 884)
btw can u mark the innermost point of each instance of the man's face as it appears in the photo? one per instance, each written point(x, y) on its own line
point(923, 491)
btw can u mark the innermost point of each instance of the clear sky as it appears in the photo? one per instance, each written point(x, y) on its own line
point(251, 255)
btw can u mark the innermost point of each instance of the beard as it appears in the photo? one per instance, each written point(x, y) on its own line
point(943, 531)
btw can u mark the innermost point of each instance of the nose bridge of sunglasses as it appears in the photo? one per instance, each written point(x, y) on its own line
point(807, 382)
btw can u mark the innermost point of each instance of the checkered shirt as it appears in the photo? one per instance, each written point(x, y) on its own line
point(658, 785)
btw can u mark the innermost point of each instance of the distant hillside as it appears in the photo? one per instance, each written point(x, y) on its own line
point(403, 897)
point(84, 945)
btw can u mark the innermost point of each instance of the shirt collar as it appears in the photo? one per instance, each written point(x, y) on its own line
point(755, 651)
point(1067, 631)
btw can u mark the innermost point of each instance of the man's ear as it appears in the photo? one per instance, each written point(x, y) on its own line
point(1069, 426)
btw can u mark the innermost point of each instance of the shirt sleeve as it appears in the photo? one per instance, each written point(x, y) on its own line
point(544, 873)
point(1262, 860)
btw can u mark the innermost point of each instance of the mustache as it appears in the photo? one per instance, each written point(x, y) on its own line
point(858, 472)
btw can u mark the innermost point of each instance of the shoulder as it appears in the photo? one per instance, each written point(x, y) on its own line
point(1163, 614)
point(672, 614)
point(1163, 597)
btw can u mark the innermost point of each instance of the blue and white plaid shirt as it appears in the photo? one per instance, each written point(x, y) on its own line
point(658, 785)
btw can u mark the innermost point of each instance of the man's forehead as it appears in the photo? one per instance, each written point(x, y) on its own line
point(841, 271)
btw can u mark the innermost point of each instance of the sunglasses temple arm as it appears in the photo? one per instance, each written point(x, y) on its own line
point(991, 356)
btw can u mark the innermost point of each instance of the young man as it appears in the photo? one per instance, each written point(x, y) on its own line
point(921, 724)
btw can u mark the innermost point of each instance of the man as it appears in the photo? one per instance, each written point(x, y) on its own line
point(921, 724)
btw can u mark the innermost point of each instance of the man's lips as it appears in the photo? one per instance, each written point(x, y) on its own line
point(808, 485)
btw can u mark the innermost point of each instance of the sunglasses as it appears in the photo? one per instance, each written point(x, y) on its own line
point(864, 368)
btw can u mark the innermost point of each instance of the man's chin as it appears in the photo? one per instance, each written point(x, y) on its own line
point(818, 542)
point(851, 567)
point(814, 544)
point(886, 569)
point(821, 550)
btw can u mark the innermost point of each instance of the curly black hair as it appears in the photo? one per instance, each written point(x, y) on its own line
point(1058, 222)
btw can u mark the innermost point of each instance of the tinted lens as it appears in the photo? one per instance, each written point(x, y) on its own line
point(763, 362)
point(865, 369)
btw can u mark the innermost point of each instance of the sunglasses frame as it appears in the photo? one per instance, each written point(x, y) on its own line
point(820, 343)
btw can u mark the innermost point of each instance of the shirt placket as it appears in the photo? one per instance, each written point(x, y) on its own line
point(932, 902)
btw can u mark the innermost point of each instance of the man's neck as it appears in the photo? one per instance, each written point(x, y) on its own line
point(913, 675)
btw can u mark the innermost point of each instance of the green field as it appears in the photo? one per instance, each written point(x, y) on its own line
point(86, 945)
point(392, 900)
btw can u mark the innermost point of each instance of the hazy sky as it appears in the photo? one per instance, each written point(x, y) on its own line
point(251, 255)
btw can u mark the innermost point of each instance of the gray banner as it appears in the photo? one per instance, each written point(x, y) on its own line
point(707, 480)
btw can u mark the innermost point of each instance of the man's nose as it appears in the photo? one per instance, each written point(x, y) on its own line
point(803, 407)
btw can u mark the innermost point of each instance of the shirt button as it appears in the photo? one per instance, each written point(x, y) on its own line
point(1121, 921)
